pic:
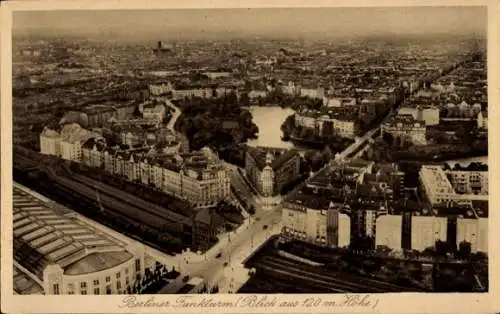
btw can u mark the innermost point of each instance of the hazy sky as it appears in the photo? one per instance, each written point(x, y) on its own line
point(321, 22)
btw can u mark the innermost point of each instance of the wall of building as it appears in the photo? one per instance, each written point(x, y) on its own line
point(474, 231)
point(388, 231)
point(426, 230)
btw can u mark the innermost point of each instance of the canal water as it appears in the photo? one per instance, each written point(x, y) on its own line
point(269, 120)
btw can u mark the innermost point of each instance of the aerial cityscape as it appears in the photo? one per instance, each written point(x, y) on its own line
point(332, 150)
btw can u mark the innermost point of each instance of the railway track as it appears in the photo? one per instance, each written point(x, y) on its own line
point(341, 282)
point(124, 197)
point(329, 282)
point(117, 208)
point(115, 205)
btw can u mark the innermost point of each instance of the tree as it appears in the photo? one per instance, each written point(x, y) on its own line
point(244, 99)
point(464, 249)
point(388, 138)
point(442, 248)
point(251, 210)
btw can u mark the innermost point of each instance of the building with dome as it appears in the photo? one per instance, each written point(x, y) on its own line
point(56, 251)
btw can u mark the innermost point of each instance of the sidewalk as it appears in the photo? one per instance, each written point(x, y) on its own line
point(230, 279)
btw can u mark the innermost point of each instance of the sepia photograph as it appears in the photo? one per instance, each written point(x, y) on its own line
point(253, 151)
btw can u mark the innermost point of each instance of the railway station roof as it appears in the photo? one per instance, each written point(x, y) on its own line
point(45, 234)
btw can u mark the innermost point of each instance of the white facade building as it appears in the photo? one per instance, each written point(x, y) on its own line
point(50, 142)
point(438, 188)
point(475, 232)
point(426, 230)
point(482, 120)
point(429, 114)
point(406, 129)
point(160, 89)
point(325, 226)
point(388, 231)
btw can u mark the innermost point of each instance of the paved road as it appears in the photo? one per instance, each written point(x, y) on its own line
point(175, 116)
point(233, 251)
point(242, 245)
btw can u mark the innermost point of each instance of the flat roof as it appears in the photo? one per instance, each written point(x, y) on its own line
point(61, 238)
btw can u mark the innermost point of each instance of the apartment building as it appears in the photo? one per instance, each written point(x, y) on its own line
point(269, 170)
point(198, 177)
point(388, 231)
point(405, 129)
point(473, 231)
point(155, 112)
point(437, 188)
point(190, 93)
point(329, 121)
point(68, 143)
point(429, 114)
point(50, 142)
point(316, 221)
point(469, 182)
point(427, 230)
point(160, 89)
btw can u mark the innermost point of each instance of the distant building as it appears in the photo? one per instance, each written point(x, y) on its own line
point(270, 170)
point(306, 118)
point(315, 220)
point(155, 112)
point(338, 102)
point(216, 75)
point(63, 253)
point(254, 94)
point(164, 49)
point(160, 89)
point(428, 114)
point(482, 120)
point(67, 144)
point(469, 182)
point(266, 61)
point(98, 115)
point(340, 123)
point(290, 89)
point(190, 93)
point(329, 121)
point(50, 142)
point(406, 129)
point(133, 123)
point(314, 93)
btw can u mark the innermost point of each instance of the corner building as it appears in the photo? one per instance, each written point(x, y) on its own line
point(316, 221)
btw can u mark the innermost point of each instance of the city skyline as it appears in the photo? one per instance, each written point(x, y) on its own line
point(313, 23)
point(252, 151)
